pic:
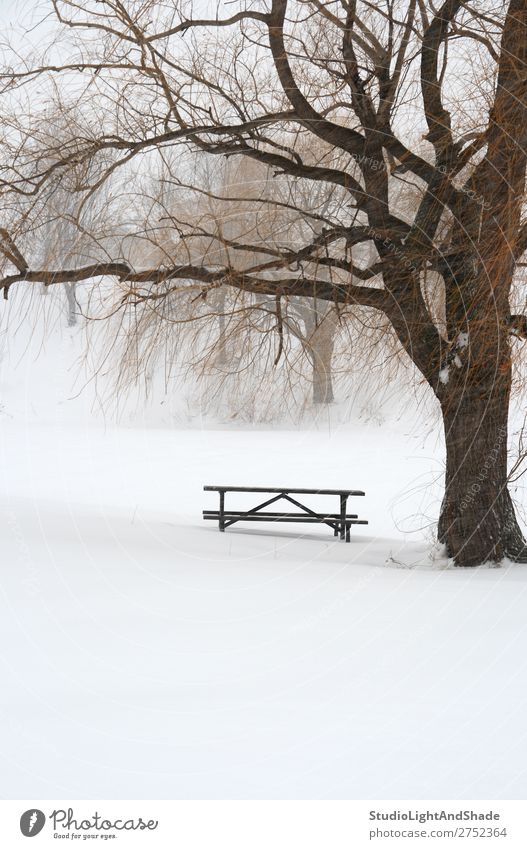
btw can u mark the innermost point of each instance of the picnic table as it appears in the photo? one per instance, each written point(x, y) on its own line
point(340, 521)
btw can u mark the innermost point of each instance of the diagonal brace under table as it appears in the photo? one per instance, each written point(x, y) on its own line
point(309, 512)
point(247, 512)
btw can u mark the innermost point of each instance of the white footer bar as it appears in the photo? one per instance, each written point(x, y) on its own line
point(264, 824)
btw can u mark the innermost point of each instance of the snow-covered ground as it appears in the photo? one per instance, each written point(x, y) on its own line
point(146, 655)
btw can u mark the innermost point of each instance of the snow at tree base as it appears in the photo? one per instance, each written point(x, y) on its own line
point(146, 655)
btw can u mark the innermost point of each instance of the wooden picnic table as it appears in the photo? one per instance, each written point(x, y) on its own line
point(340, 521)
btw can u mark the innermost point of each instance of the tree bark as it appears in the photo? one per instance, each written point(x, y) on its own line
point(72, 303)
point(322, 381)
point(221, 347)
point(478, 523)
point(320, 346)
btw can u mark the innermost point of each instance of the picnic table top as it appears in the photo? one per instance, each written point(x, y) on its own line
point(288, 489)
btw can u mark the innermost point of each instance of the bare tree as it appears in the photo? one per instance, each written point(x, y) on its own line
point(379, 84)
point(318, 340)
point(312, 322)
point(209, 234)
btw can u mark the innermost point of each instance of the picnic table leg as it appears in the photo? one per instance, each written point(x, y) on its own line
point(343, 501)
point(222, 510)
point(348, 528)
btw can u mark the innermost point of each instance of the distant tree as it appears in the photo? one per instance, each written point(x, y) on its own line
point(64, 218)
point(206, 234)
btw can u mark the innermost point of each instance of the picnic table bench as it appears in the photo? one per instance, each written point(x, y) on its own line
point(340, 521)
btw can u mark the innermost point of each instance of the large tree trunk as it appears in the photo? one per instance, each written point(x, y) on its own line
point(478, 523)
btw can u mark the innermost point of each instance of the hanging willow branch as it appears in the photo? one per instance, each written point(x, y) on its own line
point(279, 328)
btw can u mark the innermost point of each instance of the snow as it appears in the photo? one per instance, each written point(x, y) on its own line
point(444, 375)
point(146, 655)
